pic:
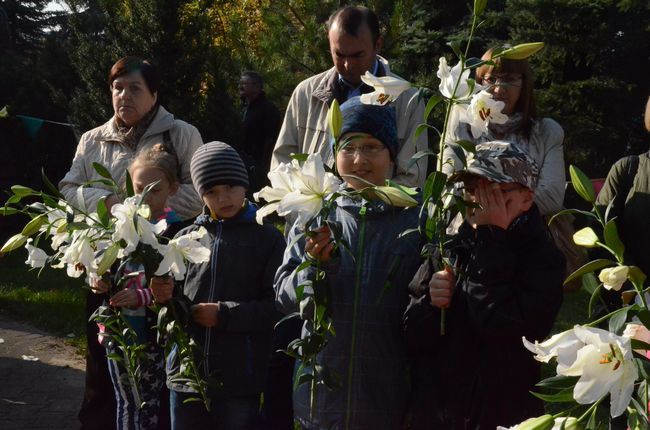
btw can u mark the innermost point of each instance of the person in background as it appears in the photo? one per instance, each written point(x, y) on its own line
point(138, 122)
point(261, 125)
point(355, 42)
point(511, 82)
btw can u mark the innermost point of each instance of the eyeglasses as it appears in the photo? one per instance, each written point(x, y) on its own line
point(367, 150)
point(503, 80)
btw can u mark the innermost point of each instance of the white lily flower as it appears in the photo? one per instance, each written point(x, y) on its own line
point(281, 185)
point(601, 359)
point(313, 185)
point(299, 190)
point(186, 247)
point(482, 111)
point(448, 78)
point(564, 346)
point(37, 257)
point(125, 228)
point(613, 278)
point(78, 254)
point(387, 89)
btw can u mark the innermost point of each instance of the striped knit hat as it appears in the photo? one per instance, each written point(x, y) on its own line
point(217, 163)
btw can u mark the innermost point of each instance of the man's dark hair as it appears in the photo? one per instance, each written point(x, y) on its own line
point(254, 76)
point(350, 19)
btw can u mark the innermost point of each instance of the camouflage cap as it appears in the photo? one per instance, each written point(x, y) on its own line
point(502, 162)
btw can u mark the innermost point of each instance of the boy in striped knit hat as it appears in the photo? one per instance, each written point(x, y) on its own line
point(231, 297)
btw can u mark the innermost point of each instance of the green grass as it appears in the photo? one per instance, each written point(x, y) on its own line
point(52, 301)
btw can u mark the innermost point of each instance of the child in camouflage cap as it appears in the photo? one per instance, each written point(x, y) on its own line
point(506, 283)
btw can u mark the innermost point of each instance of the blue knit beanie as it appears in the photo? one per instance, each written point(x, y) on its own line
point(378, 121)
point(217, 163)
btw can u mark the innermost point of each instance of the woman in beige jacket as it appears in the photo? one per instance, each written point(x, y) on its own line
point(139, 122)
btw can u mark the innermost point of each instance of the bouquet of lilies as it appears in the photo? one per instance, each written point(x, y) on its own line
point(597, 365)
point(94, 243)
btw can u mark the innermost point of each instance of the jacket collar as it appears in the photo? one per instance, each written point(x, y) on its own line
point(329, 88)
point(162, 122)
point(245, 216)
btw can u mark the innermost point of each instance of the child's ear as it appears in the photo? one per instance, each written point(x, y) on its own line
point(173, 188)
point(529, 198)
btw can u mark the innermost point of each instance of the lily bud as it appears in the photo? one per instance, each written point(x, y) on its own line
point(613, 278)
point(585, 237)
point(522, 51)
point(335, 119)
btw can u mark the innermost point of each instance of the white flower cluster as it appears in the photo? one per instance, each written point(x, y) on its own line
point(88, 246)
point(473, 105)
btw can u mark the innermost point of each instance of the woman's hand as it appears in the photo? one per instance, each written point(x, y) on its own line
point(320, 246)
point(111, 201)
point(206, 314)
point(441, 287)
point(125, 298)
point(162, 288)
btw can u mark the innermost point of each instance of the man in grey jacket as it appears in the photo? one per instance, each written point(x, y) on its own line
point(354, 43)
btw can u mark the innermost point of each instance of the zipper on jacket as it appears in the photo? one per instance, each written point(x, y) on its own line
point(355, 311)
point(213, 275)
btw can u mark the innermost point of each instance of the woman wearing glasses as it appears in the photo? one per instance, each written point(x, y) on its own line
point(367, 284)
point(511, 81)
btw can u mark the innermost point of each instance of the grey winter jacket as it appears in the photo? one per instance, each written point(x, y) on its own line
point(239, 276)
point(102, 145)
point(370, 346)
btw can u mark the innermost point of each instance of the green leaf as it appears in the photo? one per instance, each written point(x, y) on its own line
point(455, 46)
point(102, 212)
point(300, 157)
point(108, 258)
point(618, 319)
point(22, 191)
point(589, 267)
point(636, 276)
point(613, 240)
point(14, 242)
point(559, 381)
point(571, 211)
point(562, 396)
point(581, 184)
point(590, 282)
point(103, 171)
point(130, 192)
point(420, 129)
point(50, 186)
point(434, 186)
point(32, 226)
point(468, 146)
point(414, 159)
point(592, 299)
point(431, 104)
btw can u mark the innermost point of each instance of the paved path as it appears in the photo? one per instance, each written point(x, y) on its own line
point(43, 394)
